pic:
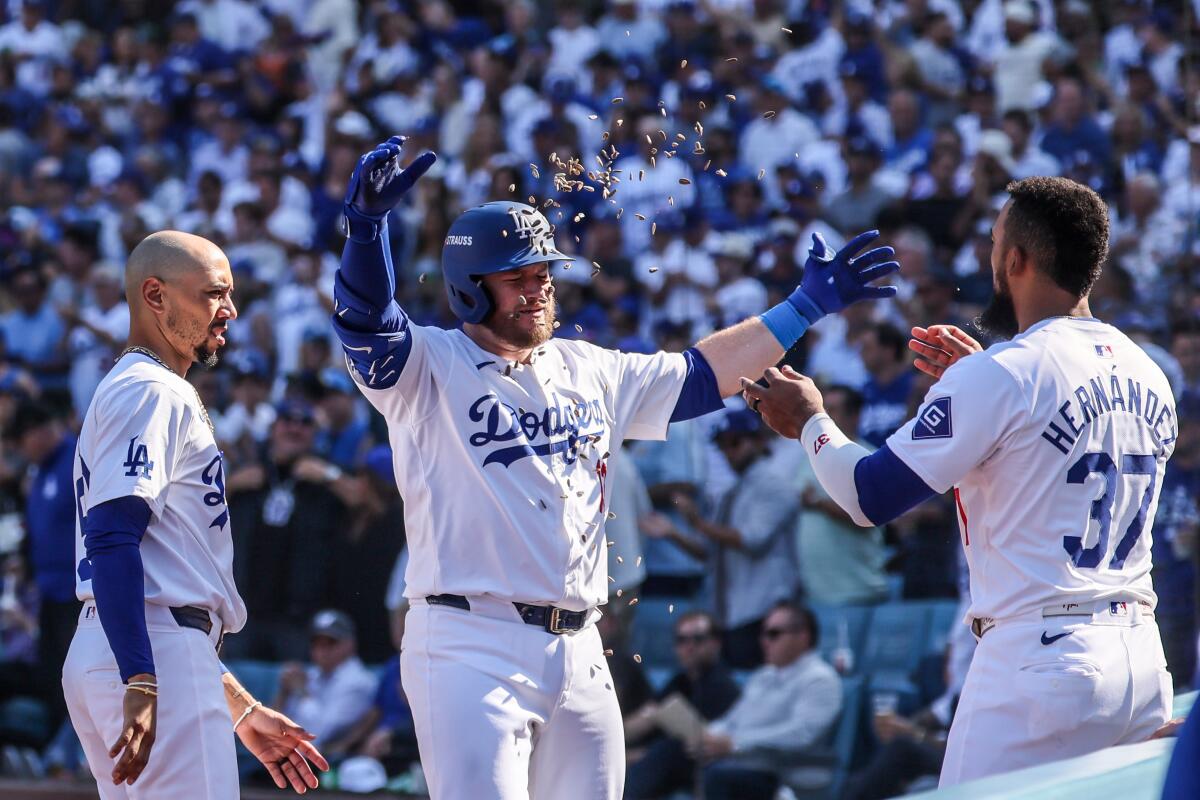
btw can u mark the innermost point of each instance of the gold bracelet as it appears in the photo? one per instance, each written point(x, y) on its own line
point(149, 684)
point(148, 692)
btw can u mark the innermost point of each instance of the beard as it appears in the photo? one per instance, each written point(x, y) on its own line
point(508, 328)
point(999, 319)
point(190, 331)
point(207, 358)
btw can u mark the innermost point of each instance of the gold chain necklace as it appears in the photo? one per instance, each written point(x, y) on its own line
point(148, 353)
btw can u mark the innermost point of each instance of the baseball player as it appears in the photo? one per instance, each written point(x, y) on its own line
point(155, 570)
point(1055, 443)
point(500, 436)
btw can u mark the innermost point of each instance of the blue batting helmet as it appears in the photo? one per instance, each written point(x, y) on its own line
point(494, 237)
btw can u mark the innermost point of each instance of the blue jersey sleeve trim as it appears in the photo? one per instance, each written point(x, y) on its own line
point(887, 487)
point(700, 394)
point(112, 534)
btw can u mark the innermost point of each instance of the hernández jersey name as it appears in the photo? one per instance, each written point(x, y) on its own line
point(144, 435)
point(502, 466)
point(1056, 443)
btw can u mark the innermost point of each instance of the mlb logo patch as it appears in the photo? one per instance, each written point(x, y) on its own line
point(934, 421)
point(1104, 350)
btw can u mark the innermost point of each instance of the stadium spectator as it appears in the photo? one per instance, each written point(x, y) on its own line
point(706, 683)
point(287, 518)
point(753, 566)
point(789, 705)
point(48, 449)
point(889, 389)
point(839, 561)
point(335, 690)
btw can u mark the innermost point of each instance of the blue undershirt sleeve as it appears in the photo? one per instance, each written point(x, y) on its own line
point(112, 534)
point(372, 327)
point(887, 487)
point(700, 394)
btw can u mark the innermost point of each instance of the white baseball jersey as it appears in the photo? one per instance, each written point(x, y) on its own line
point(144, 435)
point(1056, 443)
point(502, 466)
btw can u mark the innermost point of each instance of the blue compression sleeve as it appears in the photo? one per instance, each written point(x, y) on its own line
point(887, 487)
point(112, 534)
point(369, 322)
point(700, 394)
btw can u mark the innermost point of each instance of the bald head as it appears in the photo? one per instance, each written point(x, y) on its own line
point(168, 256)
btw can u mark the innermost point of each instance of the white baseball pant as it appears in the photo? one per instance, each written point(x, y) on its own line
point(1042, 689)
point(193, 753)
point(507, 711)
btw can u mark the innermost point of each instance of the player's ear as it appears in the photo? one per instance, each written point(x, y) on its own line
point(153, 294)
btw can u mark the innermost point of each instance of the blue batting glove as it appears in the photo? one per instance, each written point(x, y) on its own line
point(378, 181)
point(832, 282)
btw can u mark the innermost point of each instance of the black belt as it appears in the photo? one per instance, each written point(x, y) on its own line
point(198, 618)
point(549, 618)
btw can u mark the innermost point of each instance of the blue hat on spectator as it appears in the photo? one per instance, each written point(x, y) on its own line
point(249, 362)
point(560, 88)
point(861, 146)
point(980, 84)
point(737, 422)
point(379, 463)
point(294, 410)
point(772, 84)
point(699, 84)
point(335, 379)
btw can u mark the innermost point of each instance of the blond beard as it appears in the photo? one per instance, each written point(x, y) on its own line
point(505, 328)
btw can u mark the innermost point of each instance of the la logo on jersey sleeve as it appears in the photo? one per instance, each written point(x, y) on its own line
point(934, 421)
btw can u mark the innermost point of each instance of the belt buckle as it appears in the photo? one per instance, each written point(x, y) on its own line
point(553, 624)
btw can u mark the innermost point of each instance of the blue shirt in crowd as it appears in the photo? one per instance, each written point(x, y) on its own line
point(50, 524)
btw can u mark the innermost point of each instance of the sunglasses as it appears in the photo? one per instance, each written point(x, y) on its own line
point(692, 638)
point(771, 634)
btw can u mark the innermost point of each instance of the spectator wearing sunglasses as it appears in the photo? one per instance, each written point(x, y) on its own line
point(705, 681)
point(788, 707)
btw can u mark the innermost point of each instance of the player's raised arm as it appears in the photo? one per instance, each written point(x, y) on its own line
point(370, 323)
point(831, 282)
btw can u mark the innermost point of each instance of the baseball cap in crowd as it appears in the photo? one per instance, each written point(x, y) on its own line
point(249, 363)
point(335, 379)
point(379, 463)
point(332, 623)
point(782, 228)
point(1019, 11)
point(734, 245)
point(861, 146)
point(353, 123)
point(980, 84)
point(995, 143)
point(737, 421)
point(294, 410)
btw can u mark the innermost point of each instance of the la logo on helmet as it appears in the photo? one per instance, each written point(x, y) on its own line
point(530, 223)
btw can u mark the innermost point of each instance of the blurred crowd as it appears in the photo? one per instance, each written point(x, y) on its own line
point(686, 152)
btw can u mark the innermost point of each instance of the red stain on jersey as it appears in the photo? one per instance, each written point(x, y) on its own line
point(602, 473)
point(962, 514)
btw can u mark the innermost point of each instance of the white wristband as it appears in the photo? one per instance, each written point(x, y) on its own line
point(833, 457)
point(246, 713)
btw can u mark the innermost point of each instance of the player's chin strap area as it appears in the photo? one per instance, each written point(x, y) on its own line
point(551, 619)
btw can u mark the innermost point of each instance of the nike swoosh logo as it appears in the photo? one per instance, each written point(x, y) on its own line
point(1052, 639)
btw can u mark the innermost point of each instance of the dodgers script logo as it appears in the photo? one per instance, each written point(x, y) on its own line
point(561, 426)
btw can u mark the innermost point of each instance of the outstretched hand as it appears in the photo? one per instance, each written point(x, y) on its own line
point(833, 281)
point(379, 181)
point(283, 747)
point(938, 347)
point(786, 402)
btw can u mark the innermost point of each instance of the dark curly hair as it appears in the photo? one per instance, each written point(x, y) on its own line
point(1063, 226)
